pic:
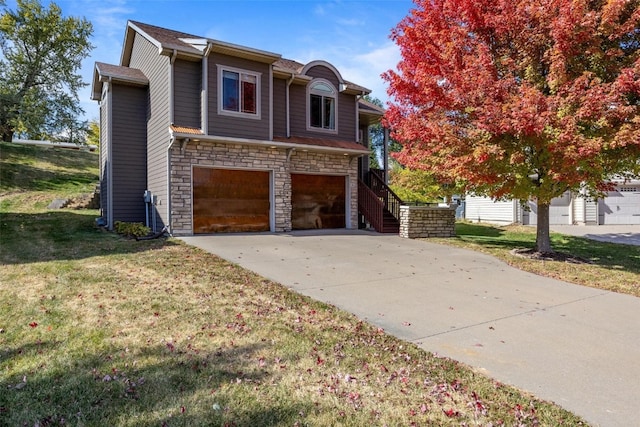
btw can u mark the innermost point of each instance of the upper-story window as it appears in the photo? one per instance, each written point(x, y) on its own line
point(239, 92)
point(322, 106)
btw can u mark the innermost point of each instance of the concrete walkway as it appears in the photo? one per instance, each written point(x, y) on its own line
point(576, 346)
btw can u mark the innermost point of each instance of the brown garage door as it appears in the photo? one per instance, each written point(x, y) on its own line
point(317, 201)
point(227, 200)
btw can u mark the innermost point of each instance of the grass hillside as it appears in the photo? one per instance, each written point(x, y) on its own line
point(99, 330)
point(32, 176)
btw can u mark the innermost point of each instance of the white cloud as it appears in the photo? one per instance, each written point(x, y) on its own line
point(109, 22)
point(366, 68)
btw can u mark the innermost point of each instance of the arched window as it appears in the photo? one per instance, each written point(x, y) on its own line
point(322, 105)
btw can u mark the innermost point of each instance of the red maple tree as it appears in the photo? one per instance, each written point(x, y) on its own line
point(523, 99)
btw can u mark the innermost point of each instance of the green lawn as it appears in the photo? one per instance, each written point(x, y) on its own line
point(97, 330)
point(608, 266)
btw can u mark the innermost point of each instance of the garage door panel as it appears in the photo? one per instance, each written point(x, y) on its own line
point(317, 201)
point(621, 206)
point(227, 200)
point(559, 211)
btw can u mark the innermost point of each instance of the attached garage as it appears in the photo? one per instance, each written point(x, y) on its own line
point(231, 200)
point(559, 211)
point(318, 201)
point(621, 206)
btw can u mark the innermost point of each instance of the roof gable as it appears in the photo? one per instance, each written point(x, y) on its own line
point(107, 72)
point(171, 42)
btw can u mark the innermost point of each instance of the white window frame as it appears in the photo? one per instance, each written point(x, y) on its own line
point(231, 113)
point(334, 96)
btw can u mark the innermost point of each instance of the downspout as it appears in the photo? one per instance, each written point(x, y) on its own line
point(270, 103)
point(168, 225)
point(358, 98)
point(172, 60)
point(204, 108)
point(288, 107)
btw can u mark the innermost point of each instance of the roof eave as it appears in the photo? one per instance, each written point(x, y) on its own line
point(270, 144)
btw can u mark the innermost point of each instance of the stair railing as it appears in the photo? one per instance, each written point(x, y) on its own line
point(370, 205)
point(390, 199)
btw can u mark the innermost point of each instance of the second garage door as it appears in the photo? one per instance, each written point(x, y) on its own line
point(621, 206)
point(317, 201)
point(226, 200)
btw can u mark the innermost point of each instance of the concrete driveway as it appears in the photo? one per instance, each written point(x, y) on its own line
point(576, 346)
point(624, 234)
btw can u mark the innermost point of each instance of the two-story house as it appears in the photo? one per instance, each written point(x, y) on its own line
point(204, 136)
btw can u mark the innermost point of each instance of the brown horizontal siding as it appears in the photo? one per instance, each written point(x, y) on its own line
point(346, 111)
point(187, 88)
point(237, 127)
point(129, 156)
point(279, 107)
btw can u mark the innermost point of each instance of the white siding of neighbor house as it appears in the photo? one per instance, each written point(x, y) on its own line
point(485, 209)
point(591, 212)
point(585, 211)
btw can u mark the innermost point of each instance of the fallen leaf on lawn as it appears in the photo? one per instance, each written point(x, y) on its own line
point(33, 324)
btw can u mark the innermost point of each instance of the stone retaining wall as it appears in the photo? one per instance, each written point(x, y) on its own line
point(427, 221)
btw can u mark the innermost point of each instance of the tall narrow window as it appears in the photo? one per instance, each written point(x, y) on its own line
point(322, 106)
point(239, 92)
point(230, 91)
point(248, 93)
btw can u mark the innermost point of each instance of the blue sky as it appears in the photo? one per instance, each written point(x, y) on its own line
point(353, 35)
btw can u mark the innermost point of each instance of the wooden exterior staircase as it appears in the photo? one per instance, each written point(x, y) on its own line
point(378, 203)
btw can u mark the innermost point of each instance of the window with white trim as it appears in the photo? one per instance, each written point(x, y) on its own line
point(322, 106)
point(239, 92)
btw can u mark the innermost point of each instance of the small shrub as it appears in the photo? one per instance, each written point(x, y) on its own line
point(131, 229)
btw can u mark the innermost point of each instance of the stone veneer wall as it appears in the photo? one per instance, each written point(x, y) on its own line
point(219, 155)
point(427, 221)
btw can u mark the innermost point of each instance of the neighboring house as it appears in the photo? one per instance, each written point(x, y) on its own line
point(620, 206)
point(219, 137)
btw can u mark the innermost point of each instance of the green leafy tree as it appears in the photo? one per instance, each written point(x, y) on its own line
point(414, 185)
point(39, 81)
point(93, 133)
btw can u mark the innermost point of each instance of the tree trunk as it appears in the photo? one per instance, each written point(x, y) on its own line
point(543, 239)
point(6, 135)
